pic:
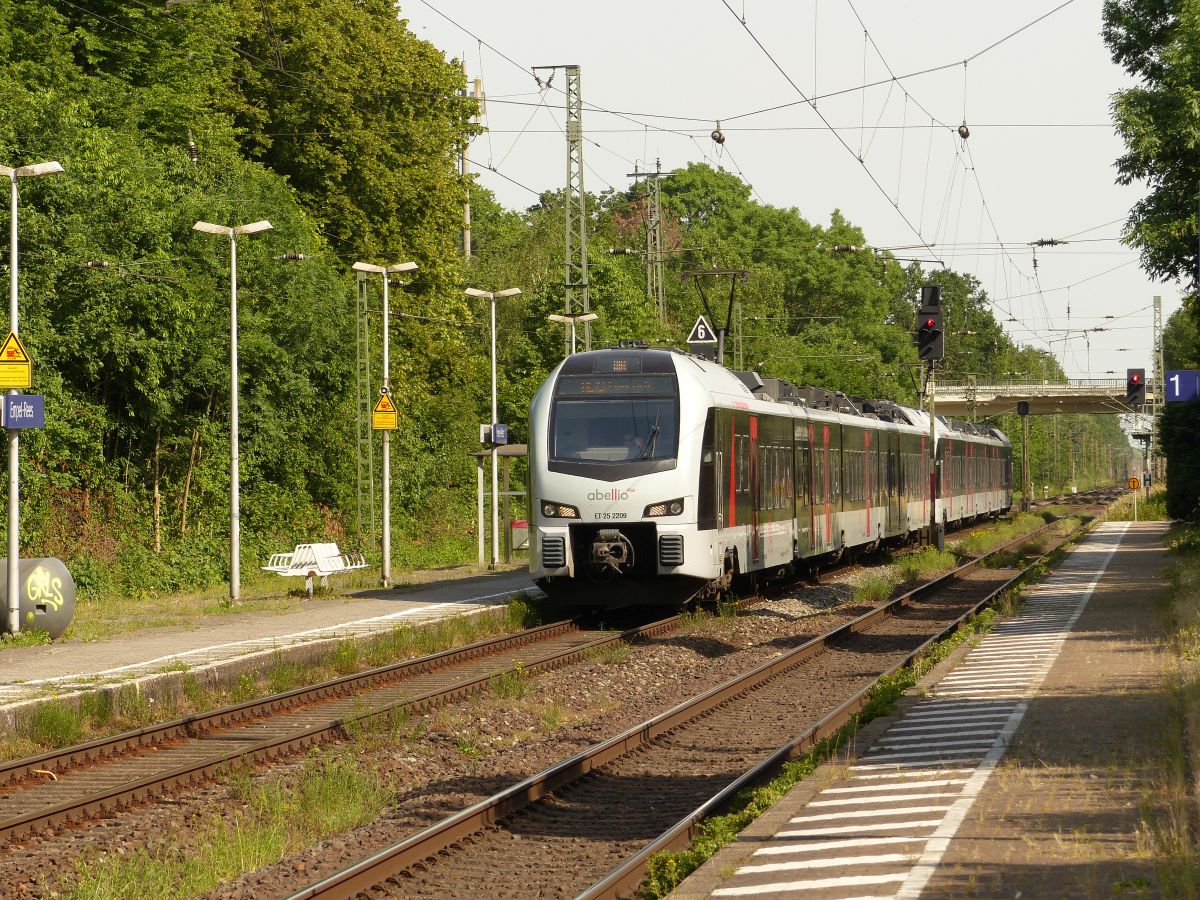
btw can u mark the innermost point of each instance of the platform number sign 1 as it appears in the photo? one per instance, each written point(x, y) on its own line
point(1182, 385)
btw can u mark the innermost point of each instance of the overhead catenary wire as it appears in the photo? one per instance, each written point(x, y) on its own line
point(821, 116)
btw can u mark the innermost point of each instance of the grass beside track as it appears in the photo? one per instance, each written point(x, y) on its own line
point(1149, 509)
point(332, 793)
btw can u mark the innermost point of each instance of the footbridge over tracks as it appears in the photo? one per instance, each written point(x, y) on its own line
point(1077, 395)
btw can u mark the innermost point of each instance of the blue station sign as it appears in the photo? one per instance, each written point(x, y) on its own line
point(23, 411)
point(1182, 385)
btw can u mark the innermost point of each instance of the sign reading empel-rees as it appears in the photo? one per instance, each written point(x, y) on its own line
point(23, 411)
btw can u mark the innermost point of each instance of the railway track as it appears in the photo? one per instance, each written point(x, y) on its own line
point(74, 785)
point(87, 780)
point(587, 825)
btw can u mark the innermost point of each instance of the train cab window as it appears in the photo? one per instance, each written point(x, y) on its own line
point(615, 418)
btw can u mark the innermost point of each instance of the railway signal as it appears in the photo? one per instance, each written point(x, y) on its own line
point(1135, 387)
point(930, 333)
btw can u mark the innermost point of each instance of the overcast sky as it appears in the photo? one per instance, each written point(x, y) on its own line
point(1034, 93)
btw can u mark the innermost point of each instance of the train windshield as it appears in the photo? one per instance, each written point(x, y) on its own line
point(615, 418)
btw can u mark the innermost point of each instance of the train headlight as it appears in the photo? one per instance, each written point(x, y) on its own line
point(665, 508)
point(552, 510)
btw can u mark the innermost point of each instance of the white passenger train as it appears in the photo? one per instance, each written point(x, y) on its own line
point(657, 475)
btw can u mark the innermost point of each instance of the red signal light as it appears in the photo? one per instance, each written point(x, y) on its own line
point(1135, 378)
point(929, 323)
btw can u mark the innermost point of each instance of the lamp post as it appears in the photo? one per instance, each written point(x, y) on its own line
point(492, 295)
point(14, 494)
point(385, 568)
point(573, 321)
point(235, 537)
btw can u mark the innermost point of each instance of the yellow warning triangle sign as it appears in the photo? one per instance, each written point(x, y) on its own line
point(385, 404)
point(13, 350)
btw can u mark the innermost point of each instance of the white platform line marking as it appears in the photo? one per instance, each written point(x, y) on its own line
point(868, 814)
point(857, 828)
point(829, 862)
point(903, 786)
point(843, 844)
point(816, 884)
point(893, 798)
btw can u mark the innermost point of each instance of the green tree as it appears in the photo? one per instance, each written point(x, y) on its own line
point(1181, 338)
point(364, 119)
point(1158, 43)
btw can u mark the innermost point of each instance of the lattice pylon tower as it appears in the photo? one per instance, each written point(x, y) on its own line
point(655, 286)
point(654, 244)
point(578, 302)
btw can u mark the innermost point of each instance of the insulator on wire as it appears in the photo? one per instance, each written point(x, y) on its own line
point(718, 136)
point(193, 153)
point(963, 131)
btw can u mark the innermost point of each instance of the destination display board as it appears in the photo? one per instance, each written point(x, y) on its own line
point(616, 386)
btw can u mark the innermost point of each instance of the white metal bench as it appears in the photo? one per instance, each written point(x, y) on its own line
point(315, 561)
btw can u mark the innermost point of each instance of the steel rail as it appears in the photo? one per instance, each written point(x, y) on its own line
point(366, 873)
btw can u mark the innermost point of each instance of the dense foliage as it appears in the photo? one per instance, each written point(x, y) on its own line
point(1159, 44)
point(333, 121)
point(1159, 119)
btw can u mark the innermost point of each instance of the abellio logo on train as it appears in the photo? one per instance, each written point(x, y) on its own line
point(610, 494)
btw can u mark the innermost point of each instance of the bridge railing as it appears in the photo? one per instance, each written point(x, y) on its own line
point(1038, 388)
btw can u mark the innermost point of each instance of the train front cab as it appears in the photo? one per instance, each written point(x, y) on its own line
point(616, 518)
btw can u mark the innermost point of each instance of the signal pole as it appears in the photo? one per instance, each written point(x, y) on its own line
point(466, 163)
point(929, 336)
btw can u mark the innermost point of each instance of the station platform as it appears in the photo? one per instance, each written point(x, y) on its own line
point(1028, 765)
point(230, 645)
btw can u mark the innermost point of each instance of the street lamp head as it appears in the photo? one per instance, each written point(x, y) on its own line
point(573, 320)
point(43, 168)
point(253, 227)
point(384, 270)
point(507, 292)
